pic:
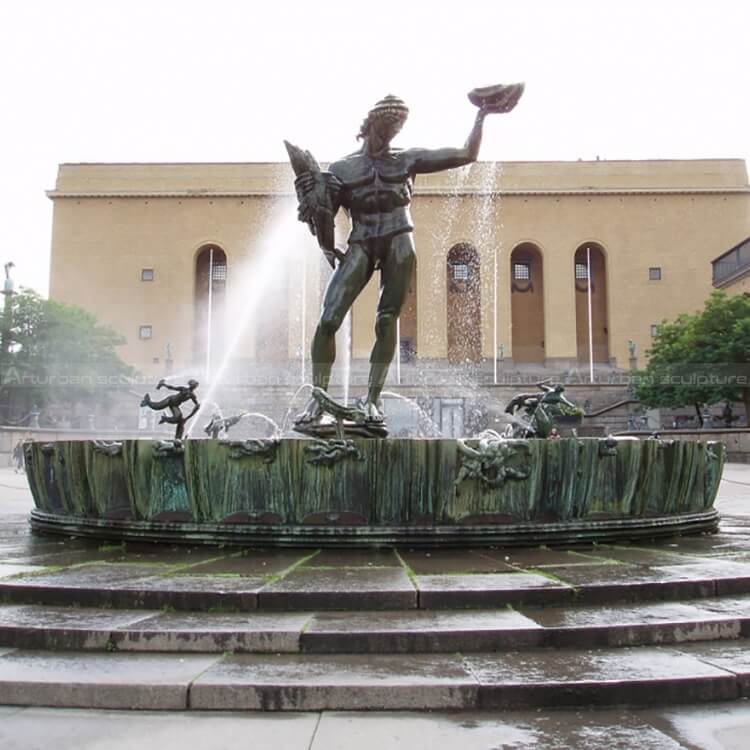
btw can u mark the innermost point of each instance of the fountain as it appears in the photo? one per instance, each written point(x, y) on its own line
point(340, 480)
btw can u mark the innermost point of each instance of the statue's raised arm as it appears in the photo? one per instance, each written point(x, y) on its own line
point(489, 100)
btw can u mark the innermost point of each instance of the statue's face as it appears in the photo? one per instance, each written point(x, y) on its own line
point(387, 125)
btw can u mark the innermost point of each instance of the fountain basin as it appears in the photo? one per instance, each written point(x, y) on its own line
point(297, 492)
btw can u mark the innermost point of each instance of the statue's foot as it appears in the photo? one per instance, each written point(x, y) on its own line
point(146, 400)
point(373, 411)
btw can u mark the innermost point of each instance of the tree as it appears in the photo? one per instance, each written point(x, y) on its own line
point(57, 354)
point(700, 358)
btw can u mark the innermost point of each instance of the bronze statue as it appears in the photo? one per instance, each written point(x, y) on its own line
point(219, 424)
point(539, 410)
point(183, 393)
point(374, 186)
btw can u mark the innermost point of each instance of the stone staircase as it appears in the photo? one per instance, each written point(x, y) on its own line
point(143, 627)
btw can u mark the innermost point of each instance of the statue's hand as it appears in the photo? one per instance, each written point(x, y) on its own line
point(160, 384)
point(304, 184)
point(497, 99)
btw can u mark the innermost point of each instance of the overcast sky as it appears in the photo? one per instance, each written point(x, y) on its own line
point(226, 81)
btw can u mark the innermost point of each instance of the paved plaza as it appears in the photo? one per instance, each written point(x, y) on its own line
point(623, 646)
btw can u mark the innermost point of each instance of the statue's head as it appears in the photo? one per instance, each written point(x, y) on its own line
point(192, 384)
point(386, 118)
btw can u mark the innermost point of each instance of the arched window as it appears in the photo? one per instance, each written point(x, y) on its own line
point(209, 305)
point(464, 304)
point(591, 256)
point(527, 304)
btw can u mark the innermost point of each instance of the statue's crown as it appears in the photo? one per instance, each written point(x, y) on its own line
point(390, 104)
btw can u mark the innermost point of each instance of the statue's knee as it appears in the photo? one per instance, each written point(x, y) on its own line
point(384, 323)
point(329, 323)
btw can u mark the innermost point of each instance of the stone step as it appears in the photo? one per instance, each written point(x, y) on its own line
point(135, 585)
point(419, 631)
point(300, 682)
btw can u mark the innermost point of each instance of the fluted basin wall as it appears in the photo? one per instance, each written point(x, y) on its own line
point(394, 482)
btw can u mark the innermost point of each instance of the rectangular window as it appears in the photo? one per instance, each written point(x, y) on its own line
point(147, 274)
point(522, 271)
point(582, 272)
point(654, 329)
point(145, 332)
point(460, 272)
point(654, 273)
point(219, 273)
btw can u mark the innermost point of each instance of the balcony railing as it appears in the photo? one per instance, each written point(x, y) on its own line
point(734, 260)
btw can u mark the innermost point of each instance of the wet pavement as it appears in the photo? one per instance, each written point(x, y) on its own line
point(649, 624)
point(720, 726)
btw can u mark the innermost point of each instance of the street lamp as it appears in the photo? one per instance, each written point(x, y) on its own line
point(5, 341)
point(8, 291)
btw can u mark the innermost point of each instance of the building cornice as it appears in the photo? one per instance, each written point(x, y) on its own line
point(581, 192)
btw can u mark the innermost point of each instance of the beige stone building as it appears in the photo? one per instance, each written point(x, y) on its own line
point(503, 259)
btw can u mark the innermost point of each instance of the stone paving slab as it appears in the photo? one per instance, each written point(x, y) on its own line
point(58, 557)
point(212, 633)
point(720, 726)
point(354, 558)
point(98, 574)
point(23, 626)
point(642, 676)
point(723, 726)
point(133, 585)
point(730, 577)
point(11, 569)
point(604, 584)
point(552, 730)
point(75, 729)
point(738, 607)
point(312, 682)
point(489, 590)
point(732, 657)
point(541, 557)
point(453, 561)
point(344, 588)
point(99, 680)
point(420, 631)
point(251, 563)
point(644, 556)
point(638, 625)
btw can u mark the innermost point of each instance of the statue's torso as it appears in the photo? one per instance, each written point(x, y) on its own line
point(376, 193)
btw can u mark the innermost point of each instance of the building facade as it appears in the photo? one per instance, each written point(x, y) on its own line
point(521, 265)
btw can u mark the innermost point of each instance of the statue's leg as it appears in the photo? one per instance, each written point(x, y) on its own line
point(159, 405)
point(347, 281)
point(394, 286)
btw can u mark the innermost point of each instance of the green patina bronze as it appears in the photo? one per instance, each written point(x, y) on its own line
point(421, 484)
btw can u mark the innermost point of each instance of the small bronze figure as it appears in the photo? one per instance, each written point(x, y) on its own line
point(374, 186)
point(219, 424)
point(182, 394)
point(539, 410)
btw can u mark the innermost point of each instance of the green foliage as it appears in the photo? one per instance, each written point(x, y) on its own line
point(703, 358)
point(57, 353)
